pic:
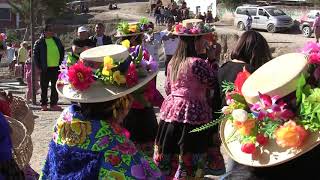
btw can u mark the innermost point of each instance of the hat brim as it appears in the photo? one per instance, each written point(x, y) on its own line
point(128, 35)
point(191, 35)
point(99, 92)
point(266, 156)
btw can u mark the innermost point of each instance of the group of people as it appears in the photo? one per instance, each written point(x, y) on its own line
point(110, 131)
point(206, 17)
point(162, 14)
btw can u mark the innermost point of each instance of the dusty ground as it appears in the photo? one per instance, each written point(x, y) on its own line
point(281, 43)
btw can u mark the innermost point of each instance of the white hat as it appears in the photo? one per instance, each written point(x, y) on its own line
point(82, 29)
point(99, 91)
point(278, 77)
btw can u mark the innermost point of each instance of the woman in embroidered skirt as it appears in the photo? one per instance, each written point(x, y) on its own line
point(88, 141)
point(141, 120)
point(179, 153)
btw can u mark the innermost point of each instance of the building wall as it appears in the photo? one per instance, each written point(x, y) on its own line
point(6, 20)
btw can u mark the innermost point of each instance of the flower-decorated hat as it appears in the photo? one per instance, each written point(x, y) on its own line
point(105, 73)
point(125, 29)
point(272, 115)
point(192, 27)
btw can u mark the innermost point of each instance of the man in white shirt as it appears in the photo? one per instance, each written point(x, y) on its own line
point(170, 42)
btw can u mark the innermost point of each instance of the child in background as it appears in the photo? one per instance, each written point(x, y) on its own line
point(28, 77)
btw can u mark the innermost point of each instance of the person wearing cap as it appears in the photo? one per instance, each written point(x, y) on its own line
point(88, 140)
point(178, 153)
point(48, 55)
point(80, 44)
point(143, 129)
point(100, 38)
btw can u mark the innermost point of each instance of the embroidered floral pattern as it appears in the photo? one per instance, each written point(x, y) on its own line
point(121, 160)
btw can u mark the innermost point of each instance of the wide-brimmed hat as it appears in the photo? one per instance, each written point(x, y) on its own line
point(105, 73)
point(192, 27)
point(21, 142)
point(272, 133)
point(126, 29)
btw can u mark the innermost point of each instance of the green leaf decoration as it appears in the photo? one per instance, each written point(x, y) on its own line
point(268, 127)
point(123, 27)
point(246, 139)
point(233, 136)
point(126, 159)
point(300, 86)
point(227, 86)
point(103, 132)
point(144, 21)
point(85, 145)
point(110, 152)
point(103, 173)
point(310, 110)
point(238, 98)
point(121, 139)
point(207, 126)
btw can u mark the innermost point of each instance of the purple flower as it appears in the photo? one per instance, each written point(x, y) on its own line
point(143, 170)
point(143, 64)
point(269, 107)
point(153, 65)
point(104, 141)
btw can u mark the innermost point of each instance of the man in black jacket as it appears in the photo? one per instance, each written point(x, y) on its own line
point(48, 55)
point(100, 38)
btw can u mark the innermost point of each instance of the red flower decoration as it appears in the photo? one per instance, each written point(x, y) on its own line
point(5, 107)
point(241, 78)
point(248, 148)
point(262, 140)
point(114, 160)
point(80, 76)
point(132, 75)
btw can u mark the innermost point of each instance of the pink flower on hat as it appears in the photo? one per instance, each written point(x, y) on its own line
point(132, 75)
point(80, 76)
point(312, 49)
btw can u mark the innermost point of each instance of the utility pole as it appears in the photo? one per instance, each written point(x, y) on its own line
point(33, 76)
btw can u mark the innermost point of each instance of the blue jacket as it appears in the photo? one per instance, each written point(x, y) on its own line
point(40, 52)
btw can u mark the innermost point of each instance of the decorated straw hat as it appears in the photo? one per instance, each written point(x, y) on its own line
point(21, 142)
point(192, 27)
point(105, 73)
point(125, 29)
point(274, 131)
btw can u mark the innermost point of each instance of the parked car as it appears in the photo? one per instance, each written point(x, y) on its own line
point(268, 18)
point(306, 23)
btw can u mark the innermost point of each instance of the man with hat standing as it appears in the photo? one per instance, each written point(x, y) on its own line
point(48, 55)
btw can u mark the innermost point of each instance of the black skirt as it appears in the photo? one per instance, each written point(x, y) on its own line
point(142, 125)
point(175, 138)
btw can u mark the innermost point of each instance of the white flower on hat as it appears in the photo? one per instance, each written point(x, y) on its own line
point(225, 110)
point(240, 115)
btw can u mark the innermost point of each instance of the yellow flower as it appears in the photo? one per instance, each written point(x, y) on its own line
point(107, 65)
point(126, 43)
point(117, 175)
point(290, 135)
point(133, 28)
point(74, 132)
point(118, 78)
